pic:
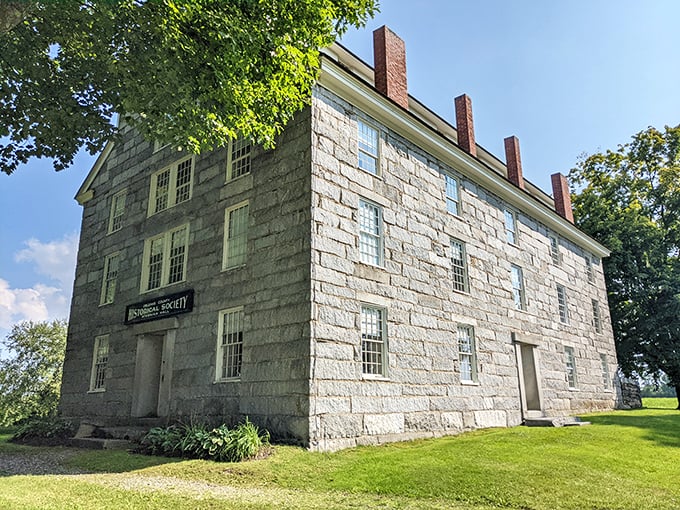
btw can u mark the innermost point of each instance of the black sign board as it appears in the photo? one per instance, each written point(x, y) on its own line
point(160, 308)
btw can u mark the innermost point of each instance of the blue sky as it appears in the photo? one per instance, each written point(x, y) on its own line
point(566, 78)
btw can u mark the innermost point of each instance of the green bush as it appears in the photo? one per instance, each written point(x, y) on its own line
point(44, 431)
point(197, 441)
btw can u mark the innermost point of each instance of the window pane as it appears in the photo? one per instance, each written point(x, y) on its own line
point(517, 287)
point(177, 255)
point(606, 379)
point(240, 158)
point(155, 263)
point(570, 366)
point(597, 321)
point(110, 277)
point(232, 344)
point(554, 250)
point(452, 195)
point(183, 189)
point(237, 237)
point(368, 147)
point(100, 361)
point(162, 190)
point(372, 342)
point(370, 233)
point(562, 304)
point(459, 266)
point(467, 356)
point(117, 211)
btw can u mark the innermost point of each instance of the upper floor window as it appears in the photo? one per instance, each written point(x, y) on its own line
point(510, 226)
point(606, 377)
point(373, 341)
point(230, 344)
point(117, 211)
point(517, 280)
point(570, 364)
point(452, 195)
point(368, 147)
point(110, 278)
point(171, 185)
point(467, 353)
point(100, 360)
point(235, 236)
point(165, 259)
point(370, 233)
point(562, 304)
point(555, 251)
point(597, 319)
point(589, 269)
point(238, 158)
point(459, 266)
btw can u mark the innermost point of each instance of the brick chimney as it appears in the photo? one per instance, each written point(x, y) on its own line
point(562, 197)
point(464, 126)
point(389, 62)
point(513, 161)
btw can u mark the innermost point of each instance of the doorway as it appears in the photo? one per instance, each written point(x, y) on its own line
point(529, 380)
point(153, 373)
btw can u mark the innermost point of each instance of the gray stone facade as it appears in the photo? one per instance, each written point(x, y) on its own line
point(303, 286)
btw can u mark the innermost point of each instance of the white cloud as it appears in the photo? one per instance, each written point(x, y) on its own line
point(54, 259)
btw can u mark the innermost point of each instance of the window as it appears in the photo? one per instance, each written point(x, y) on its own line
point(171, 186)
point(606, 378)
point(117, 211)
point(562, 304)
point(370, 233)
point(373, 339)
point(230, 344)
point(510, 226)
point(570, 363)
point(597, 320)
point(235, 236)
point(459, 266)
point(238, 158)
point(368, 147)
point(555, 251)
point(165, 259)
point(100, 359)
point(452, 195)
point(467, 354)
point(110, 277)
point(517, 287)
point(589, 270)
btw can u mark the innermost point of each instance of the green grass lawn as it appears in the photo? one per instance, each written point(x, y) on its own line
point(624, 460)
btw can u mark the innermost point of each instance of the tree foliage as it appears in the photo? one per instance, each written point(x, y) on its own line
point(30, 378)
point(629, 200)
point(191, 73)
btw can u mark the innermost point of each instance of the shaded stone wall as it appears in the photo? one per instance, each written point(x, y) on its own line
point(422, 394)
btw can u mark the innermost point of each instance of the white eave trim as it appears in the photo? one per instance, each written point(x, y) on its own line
point(364, 97)
point(85, 193)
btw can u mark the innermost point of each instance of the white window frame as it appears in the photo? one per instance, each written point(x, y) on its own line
point(597, 316)
point(239, 154)
point(511, 230)
point(590, 273)
point(100, 361)
point(229, 351)
point(518, 289)
point(232, 241)
point(606, 375)
point(374, 336)
point(467, 354)
point(165, 261)
point(459, 267)
point(452, 186)
point(570, 366)
point(110, 278)
point(372, 238)
point(562, 304)
point(368, 148)
point(117, 211)
point(173, 190)
point(555, 252)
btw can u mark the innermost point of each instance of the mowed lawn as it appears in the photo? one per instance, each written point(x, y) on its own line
point(624, 460)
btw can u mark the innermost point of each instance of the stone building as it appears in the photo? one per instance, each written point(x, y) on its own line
point(378, 276)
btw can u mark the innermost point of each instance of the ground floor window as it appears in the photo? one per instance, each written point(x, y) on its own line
point(570, 363)
point(100, 360)
point(373, 340)
point(230, 344)
point(467, 353)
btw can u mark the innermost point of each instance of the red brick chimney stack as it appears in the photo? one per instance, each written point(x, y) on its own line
point(562, 197)
point(389, 62)
point(514, 161)
point(464, 125)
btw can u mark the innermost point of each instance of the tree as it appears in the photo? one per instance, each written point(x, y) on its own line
point(30, 378)
point(192, 73)
point(629, 200)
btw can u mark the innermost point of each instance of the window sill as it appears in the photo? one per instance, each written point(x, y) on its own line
point(105, 304)
point(371, 377)
point(233, 268)
point(161, 287)
point(100, 390)
point(229, 180)
point(228, 380)
point(469, 383)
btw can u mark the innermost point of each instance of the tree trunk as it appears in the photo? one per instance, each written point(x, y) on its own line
point(677, 394)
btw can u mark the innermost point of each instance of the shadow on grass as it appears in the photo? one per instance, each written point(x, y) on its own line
point(663, 429)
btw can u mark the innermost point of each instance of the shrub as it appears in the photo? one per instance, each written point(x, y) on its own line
point(162, 441)
point(44, 431)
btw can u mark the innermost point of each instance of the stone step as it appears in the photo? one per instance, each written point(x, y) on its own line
point(95, 443)
point(560, 421)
